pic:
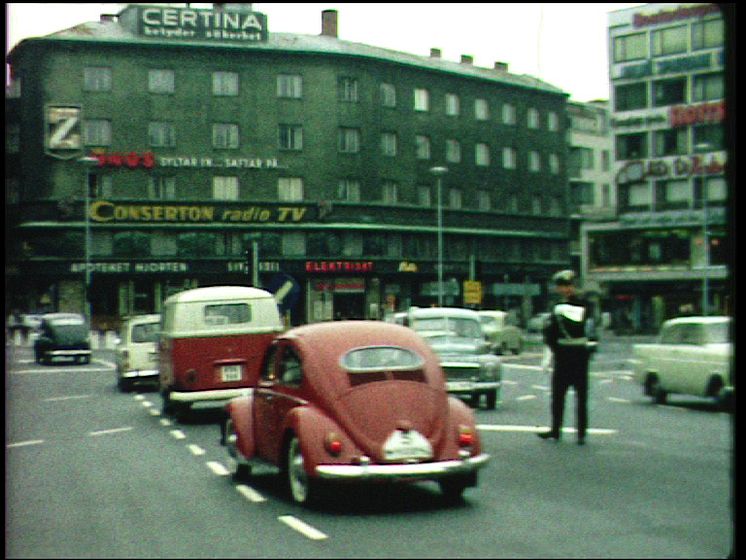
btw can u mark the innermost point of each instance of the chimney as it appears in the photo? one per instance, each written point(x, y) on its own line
point(329, 23)
point(435, 53)
point(501, 66)
point(467, 59)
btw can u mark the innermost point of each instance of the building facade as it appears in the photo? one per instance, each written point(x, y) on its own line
point(149, 150)
point(665, 253)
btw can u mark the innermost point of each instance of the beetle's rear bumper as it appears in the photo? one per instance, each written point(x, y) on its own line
point(211, 395)
point(423, 471)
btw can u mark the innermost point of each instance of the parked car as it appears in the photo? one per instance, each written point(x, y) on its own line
point(457, 337)
point(212, 344)
point(137, 351)
point(536, 323)
point(63, 336)
point(692, 356)
point(502, 335)
point(353, 402)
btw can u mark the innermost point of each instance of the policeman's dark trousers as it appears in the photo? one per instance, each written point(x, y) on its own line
point(570, 370)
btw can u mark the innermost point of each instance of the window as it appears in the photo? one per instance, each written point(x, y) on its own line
point(708, 138)
point(509, 114)
point(536, 206)
point(349, 190)
point(161, 81)
point(631, 146)
point(481, 110)
point(352, 244)
point(349, 140)
point(225, 188)
point(669, 92)
point(225, 83)
point(582, 193)
point(455, 199)
point(481, 155)
point(582, 158)
point(290, 137)
point(422, 146)
point(161, 135)
point(509, 158)
point(227, 314)
point(671, 142)
point(532, 118)
point(640, 195)
point(512, 203)
point(453, 151)
point(534, 161)
point(421, 100)
point(630, 47)
point(708, 34)
point(484, 202)
point(289, 86)
point(389, 144)
point(97, 79)
point(453, 105)
point(348, 90)
point(164, 245)
point(708, 87)
point(97, 132)
point(162, 188)
point(390, 192)
point(293, 244)
point(424, 195)
point(676, 192)
point(388, 95)
point(552, 121)
point(554, 165)
point(290, 189)
point(670, 41)
point(104, 187)
point(631, 96)
point(224, 136)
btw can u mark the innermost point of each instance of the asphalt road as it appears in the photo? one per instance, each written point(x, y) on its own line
point(94, 473)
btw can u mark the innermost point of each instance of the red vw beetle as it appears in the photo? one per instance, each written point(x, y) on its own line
point(353, 401)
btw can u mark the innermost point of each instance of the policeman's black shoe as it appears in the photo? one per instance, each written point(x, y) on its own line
point(581, 441)
point(549, 435)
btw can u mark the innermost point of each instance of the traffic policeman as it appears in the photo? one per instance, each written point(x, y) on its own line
point(570, 336)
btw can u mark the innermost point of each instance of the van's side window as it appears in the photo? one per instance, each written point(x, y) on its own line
point(227, 313)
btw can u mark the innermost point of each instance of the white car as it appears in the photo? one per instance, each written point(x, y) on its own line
point(692, 357)
point(500, 333)
point(137, 351)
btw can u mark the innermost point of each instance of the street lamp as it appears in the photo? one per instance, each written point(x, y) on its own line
point(439, 172)
point(88, 162)
point(705, 239)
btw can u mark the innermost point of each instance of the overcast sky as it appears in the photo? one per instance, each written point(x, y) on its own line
point(562, 44)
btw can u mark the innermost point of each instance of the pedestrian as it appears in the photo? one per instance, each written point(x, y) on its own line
point(569, 335)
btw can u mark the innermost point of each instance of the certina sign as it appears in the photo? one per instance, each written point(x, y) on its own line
point(222, 25)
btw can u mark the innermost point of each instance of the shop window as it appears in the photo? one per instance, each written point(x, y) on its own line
point(631, 96)
point(669, 92)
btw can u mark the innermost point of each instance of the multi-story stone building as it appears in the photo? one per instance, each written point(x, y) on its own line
point(665, 253)
point(147, 151)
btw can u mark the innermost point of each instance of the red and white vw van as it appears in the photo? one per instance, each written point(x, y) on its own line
point(212, 343)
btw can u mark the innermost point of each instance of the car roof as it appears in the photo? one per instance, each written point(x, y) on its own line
point(710, 319)
point(57, 316)
point(149, 318)
point(444, 311)
point(213, 293)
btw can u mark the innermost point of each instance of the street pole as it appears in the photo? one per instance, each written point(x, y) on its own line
point(705, 237)
point(439, 172)
point(88, 162)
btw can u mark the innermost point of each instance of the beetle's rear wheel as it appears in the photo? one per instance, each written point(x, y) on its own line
point(303, 489)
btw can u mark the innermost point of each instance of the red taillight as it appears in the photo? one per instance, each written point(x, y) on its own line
point(333, 444)
point(465, 436)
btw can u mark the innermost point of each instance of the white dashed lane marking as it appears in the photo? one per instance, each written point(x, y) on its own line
point(110, 431)
point(25, 443)
point(302, 527)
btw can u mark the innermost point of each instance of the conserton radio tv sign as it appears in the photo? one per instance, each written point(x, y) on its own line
point(204, 25)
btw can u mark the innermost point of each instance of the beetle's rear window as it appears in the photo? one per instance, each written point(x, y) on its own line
point(381, 358)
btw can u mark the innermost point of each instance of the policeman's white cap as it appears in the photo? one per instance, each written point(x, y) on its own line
point(564, 278)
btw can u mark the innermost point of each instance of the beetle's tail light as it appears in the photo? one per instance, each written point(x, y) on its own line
point(333, 444)
point(466, 437)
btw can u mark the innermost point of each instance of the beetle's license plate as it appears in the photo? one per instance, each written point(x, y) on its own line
point(407, 445)
point(230, 373)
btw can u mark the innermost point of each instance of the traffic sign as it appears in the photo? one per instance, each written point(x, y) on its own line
point(285, 289)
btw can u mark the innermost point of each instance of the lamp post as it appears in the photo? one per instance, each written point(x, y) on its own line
point(706, 240)
point(88, 162)
point(439, 172)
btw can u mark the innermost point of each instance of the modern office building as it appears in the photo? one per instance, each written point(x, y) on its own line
point(665, 253)
point(146, 152)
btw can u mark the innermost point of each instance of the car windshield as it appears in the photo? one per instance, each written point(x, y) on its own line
point(145, 332)
point(69, 334)
point(459, 327)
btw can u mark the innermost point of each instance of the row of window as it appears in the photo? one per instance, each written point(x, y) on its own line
point(671, 40)
point(670, 91)
point(98, 133)
point(351, 245)
point(290, 86)
point(675, 194)
point(292, 189)
point(670, 142)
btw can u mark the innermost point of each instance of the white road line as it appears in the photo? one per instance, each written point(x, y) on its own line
point(615, 399)
point(511, 428)
point(24, 443)
point(250, 494)
point(527, 398)
point(195, 449)
point(523, 366)
point(69, 398)
point(508, 382)
point(154, 412)
point(303, 528)
point(147, 404)
point(166, 422)
point(178, 434)
point(111, 431)
point(540, 387)
point(217, 468)
point(139, 397)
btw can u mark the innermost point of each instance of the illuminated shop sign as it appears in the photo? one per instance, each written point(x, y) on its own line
point(62, 136)
point(205, 25)
point(339, 266)
point(103, 211)
point(680, 13)
point(671, 168)
point(148, 160)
